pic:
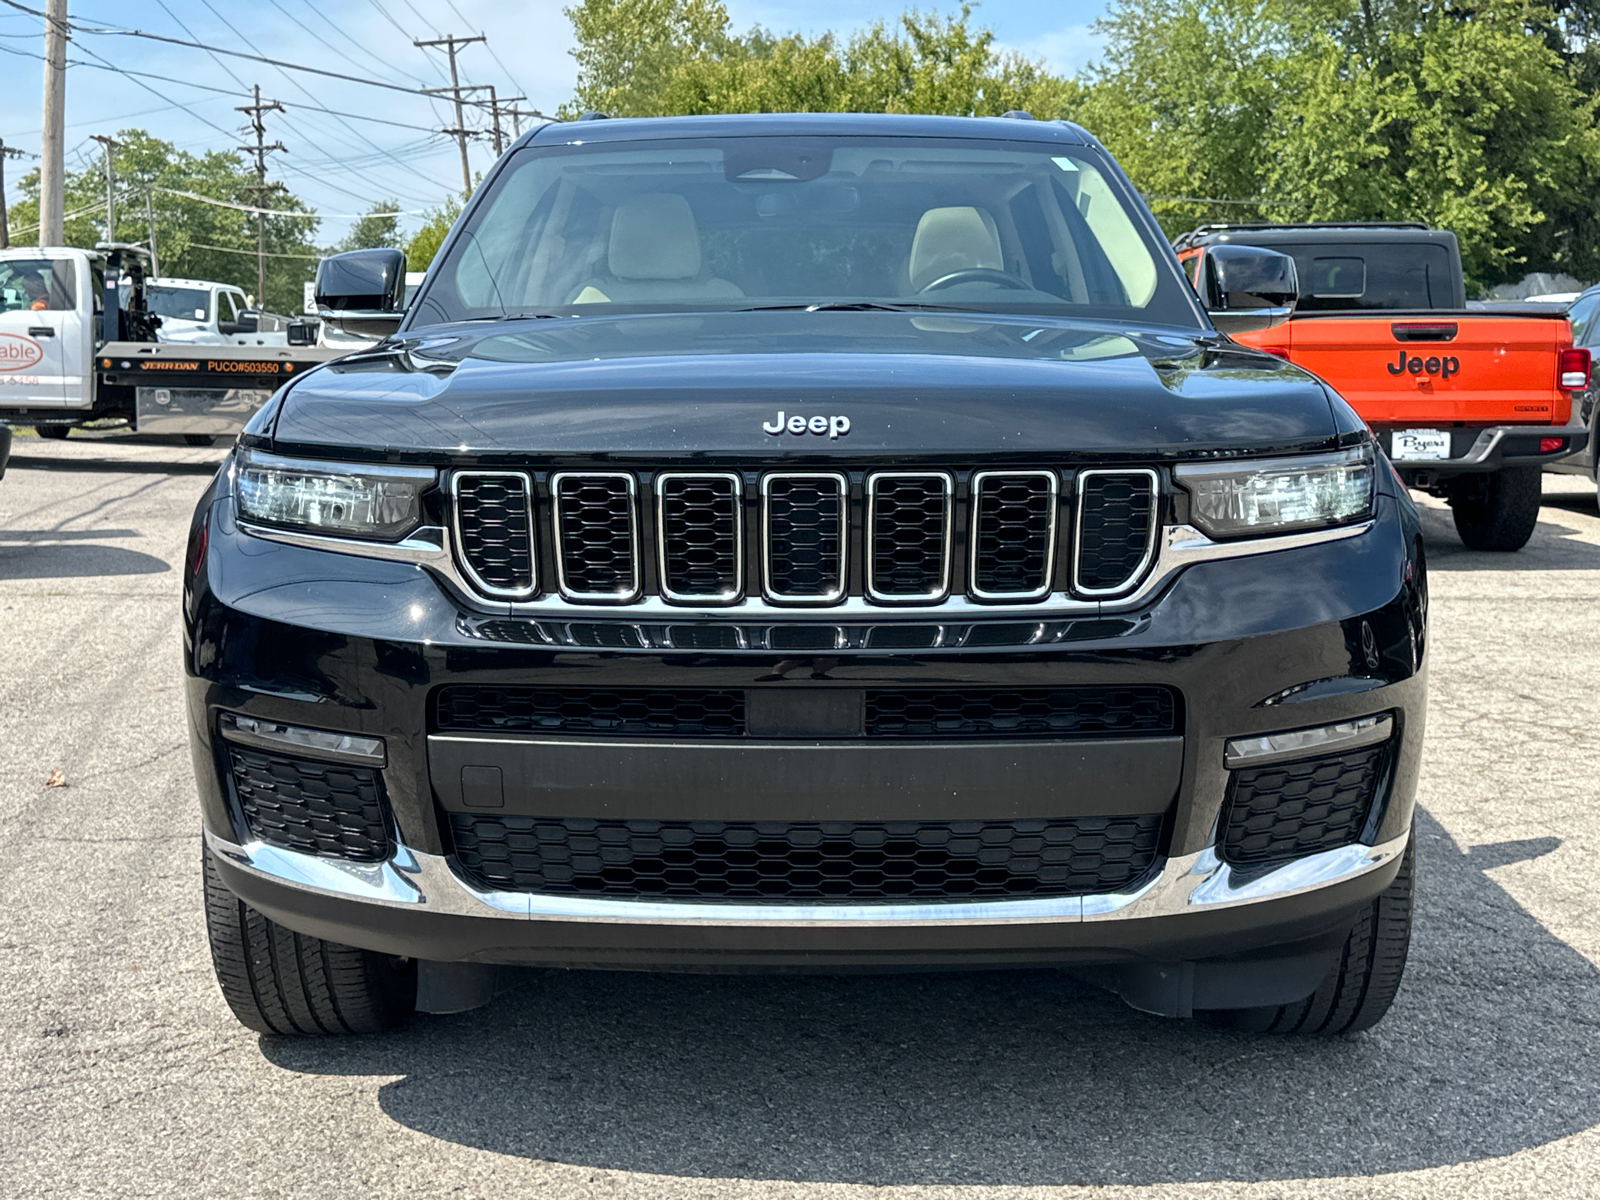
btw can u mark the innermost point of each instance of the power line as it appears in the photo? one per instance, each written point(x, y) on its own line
point(460, 132)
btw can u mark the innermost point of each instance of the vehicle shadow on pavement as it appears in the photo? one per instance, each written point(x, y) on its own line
point(21, 560)
point(1553, 546)
point(112, 466)
point(1012, 1078)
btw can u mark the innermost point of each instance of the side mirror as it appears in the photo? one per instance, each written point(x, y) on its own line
point(362, 291)
point(302, 332)
point(248, 322)
point(1247, 287)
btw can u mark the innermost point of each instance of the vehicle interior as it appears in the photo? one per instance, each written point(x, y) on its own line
point(779, 221)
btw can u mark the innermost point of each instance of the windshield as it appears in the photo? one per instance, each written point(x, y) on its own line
point(37, 285)
point(734, 223)
point(179, 303)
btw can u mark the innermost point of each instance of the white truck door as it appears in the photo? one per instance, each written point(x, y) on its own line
point(39, 295)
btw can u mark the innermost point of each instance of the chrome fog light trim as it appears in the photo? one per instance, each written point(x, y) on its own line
point(273, 735)
point(1302, 743)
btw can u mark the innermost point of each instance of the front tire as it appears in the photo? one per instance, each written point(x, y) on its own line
point(277, 981)
point(1358, 992)
point(56, 433)
point(1497, 510)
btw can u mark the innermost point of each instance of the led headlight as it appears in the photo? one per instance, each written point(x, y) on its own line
point(356, 500)
point(1276, 495)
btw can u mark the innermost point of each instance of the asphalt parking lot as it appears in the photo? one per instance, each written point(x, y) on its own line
point(122, 1073)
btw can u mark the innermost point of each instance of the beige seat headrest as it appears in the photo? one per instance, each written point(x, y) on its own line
point(953, 239)
point(654, 237)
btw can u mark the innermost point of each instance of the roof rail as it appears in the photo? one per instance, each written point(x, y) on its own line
point(1185, 240)
point(1018, 114)
point(592, 115)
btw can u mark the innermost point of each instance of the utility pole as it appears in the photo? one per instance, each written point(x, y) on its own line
point(516, 114)
point(262, 188)
point(495, 108)
point(150, 224)
point(5, 228)
point(110, 144)
point(461, 133)
point(52, 167)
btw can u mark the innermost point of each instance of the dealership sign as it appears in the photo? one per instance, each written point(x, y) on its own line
point(18, 353)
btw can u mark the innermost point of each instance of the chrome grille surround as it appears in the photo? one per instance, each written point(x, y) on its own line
point(841, 535)
point(462, 543)
point(563, 485)
point(667, 553)
point(878, 506)
point(1132, 577)
point(983, 481)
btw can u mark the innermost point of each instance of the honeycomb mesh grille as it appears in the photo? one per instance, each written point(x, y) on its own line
point(618, 712)
point(1286, 810)
point(909, 536)
point(1014, 527)
point(596, 535)
point(494, 519)
point(806, 862)
point(321, 808)
point(1022, 712)
point(700, 545)
point(805, 536)
point(1116, 519)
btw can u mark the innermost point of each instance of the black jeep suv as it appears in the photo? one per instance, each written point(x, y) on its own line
point(819, 542)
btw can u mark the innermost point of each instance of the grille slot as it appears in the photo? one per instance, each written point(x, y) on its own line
point(1286, 810)
point(617, 712)
point(908, 536)
point(1013, 534)
point(826, 862)
point(700, 536)
point(804, 518)
point(1116, 529)
point(330, 809)
point(597, 535)
point(494, 526)
point(1022, 712)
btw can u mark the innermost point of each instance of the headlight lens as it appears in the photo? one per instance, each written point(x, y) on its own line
point(338, 499)
point(1275, 495)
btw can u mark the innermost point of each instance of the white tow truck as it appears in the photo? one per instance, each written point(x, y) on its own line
point(81, 340)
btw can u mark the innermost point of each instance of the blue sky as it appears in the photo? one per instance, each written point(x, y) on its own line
point(341, 164)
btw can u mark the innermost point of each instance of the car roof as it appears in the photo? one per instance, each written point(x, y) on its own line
point(629, 129)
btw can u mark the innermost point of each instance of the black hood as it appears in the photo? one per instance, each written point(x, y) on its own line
point(706, 384)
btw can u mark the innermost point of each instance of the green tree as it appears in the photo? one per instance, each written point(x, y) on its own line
point(1461, 113)
point(425, 243)
point(194, 239)
point(378, 228)
point(658, 57)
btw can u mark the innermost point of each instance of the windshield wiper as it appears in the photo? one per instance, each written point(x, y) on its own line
point(857, 306)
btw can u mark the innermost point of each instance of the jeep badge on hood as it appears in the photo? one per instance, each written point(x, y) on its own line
point(834, 427)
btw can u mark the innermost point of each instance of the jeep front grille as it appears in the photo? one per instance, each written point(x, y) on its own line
point(494, 526)
point(911, 538)
point(597, 535)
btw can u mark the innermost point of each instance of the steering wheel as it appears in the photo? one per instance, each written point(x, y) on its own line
point(978, 275)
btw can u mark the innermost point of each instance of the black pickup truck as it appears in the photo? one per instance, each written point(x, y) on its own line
point(807, 542)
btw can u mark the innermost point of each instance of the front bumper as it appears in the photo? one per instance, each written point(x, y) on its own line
point(1298, 638)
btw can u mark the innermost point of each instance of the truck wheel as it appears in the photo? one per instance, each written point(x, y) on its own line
point(281, 982)
point(1359, 991)
point(1497, 511)
point(199, 439)
point(54, 432)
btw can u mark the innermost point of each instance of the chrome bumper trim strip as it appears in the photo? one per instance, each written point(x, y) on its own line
point(1194, 882)
point(1178, 546)
point(1263, 749)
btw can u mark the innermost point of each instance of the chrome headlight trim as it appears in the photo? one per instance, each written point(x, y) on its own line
point(248, 461)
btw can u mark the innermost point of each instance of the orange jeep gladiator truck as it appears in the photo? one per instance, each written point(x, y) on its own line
point(1468, 403)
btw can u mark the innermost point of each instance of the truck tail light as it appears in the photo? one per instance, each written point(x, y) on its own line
point(1574, 370)
point(1551, 445)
